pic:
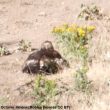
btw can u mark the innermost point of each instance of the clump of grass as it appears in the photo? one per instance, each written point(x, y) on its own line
point(24, 46)
point(3, 101)
point(81, 81)
point(90, 12)
point(4, 50)
point(45, 90)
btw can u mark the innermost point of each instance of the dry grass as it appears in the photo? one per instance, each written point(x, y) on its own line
point(33, 20)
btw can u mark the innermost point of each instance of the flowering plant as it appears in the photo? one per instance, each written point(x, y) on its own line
point(73, 39)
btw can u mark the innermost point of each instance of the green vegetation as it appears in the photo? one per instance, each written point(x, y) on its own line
point(24, 46)
point(75, 40)
point(91, 12)
point(3, 101)
point(81, 81)
point(45, 90)
point(4, 50)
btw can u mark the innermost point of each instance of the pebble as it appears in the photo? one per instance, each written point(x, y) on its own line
point(42, 14)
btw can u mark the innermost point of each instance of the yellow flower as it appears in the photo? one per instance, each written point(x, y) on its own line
point(70, 29)
point(81, 47)
point(57, 30)
point(91, 28)
point(74, 26)
point(65, 26)
point(81, 32)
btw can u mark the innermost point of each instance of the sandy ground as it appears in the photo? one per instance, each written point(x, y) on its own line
point(32, 20)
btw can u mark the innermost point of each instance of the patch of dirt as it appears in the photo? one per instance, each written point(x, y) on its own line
point(33, 20)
